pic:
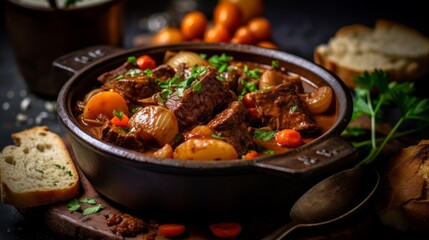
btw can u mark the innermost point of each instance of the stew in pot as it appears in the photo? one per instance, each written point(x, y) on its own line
point(197, 107)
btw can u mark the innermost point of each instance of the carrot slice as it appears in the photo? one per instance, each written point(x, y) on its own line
point(171, 229)
point(105, 103)
point(225, 230)
point(120, 119)
point(289, 138)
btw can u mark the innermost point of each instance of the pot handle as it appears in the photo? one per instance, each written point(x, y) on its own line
point(325, 154)
point(72, 62)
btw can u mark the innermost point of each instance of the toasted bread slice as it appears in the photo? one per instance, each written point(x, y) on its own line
point(389, 46)
point(38, 170)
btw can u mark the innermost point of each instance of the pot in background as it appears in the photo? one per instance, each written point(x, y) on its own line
point(171, 186)
point(38, 35)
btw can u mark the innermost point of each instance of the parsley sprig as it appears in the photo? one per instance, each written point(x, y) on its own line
point(373, 94)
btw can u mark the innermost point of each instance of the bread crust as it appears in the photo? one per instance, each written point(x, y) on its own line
point(36, 195)
point(405, 191)
point(416, 67)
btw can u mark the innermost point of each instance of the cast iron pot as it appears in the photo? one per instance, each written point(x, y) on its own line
point(170, 186)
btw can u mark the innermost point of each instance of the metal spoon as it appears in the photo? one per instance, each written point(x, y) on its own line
point(331, 199)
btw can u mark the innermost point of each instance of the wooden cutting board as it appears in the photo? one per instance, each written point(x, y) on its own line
point(75, 225)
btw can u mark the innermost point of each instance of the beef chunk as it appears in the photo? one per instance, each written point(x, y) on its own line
point(134, 88)
point(121, 138)
point(231, 79)
point(108, 76)
point(231, 125)
point(163, 72)
point(198, 107)
point(281, 107)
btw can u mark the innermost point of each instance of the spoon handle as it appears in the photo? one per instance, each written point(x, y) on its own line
point(282, 231)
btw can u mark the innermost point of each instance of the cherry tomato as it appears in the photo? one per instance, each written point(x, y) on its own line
point(243, 35)
point(260, 28)
point(228, 15)
point(146, 62)
point(217, 33)
point(167, 35)
point(193, 25)
point(171, 229)
point(225, 230)
point(288, 138)
point(249, 8)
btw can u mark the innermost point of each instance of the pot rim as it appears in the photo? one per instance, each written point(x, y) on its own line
point(134, 158)
point(86, 8)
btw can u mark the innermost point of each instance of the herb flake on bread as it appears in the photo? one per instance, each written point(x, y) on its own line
point(393, 47)
point(37, 170)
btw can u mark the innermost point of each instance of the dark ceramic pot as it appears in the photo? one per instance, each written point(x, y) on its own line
point(39, 35)
point(144, 183)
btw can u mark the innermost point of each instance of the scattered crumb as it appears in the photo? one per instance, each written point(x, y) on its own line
point(25, 103)
point(6, 106)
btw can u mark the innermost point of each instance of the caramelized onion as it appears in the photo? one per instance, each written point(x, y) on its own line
point(190, 59)
point(155, 123)
point(319, 100)
point(204, 149)
point(270, 78)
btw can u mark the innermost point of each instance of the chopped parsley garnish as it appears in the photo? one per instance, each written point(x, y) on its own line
point(148, 72)
point(132, 73)
point(247, 87)
point(217, 136)
point(275, 64)
point(264, 135)
point(293, 108)
point(197, 87)
point(59, 166)
point(220, 78)
point(118, 113)
point(269, 152)
point(220, 62)
point(38, 170)
point(254, 74)
point(169, 86)
point(132, 60)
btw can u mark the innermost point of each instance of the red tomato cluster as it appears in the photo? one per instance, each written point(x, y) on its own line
point(234, 21)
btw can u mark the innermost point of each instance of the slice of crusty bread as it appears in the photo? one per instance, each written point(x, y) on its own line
point(37, 170)
point(389, 46)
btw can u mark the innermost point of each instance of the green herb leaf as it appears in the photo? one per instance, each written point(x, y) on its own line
point(254, 74)
point(73, 205)
point(132, 60)
point(88, 201)
point(264, 135)
point(275, 64)
point(393, 94)
point(217, 136)
point(220, 62)
point(92, 210)
point(118, 113)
